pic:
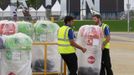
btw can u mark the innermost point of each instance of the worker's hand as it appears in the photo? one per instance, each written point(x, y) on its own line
point(84, 50)
point(102, 47)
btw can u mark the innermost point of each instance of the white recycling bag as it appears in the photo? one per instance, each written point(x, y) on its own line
point(46, 31)
point(0, 61)
point(90, 37)
point(16, 58)
point(1, 48)
point(54, 58)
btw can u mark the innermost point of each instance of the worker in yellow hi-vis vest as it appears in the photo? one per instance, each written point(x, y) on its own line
point(67, 45)
point(106, 66)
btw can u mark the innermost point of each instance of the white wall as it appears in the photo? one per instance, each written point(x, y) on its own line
point(131, 3)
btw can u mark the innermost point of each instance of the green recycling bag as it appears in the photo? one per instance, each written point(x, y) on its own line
point(25, 27)
point(45, 31)
point(18, 41)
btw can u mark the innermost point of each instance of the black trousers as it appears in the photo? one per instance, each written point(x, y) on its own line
point(106, 67)
point(71, 61)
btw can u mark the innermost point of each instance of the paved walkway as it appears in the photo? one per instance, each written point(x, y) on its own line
point(122, 53)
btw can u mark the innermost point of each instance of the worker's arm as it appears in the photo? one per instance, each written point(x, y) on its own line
point(107, 40)
point(72, 41)
point(74, 44)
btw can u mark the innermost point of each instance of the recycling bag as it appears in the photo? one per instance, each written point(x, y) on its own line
point(1, 43)
point(25, 27)
point(53, 59)
point(90, 37)
point(16, 57)
point(46, 31)
point(7, 27)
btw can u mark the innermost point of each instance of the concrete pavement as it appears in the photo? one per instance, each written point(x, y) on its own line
point(122, 53)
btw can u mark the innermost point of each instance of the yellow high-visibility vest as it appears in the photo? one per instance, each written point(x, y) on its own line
point(103, 28)
point(64, 46)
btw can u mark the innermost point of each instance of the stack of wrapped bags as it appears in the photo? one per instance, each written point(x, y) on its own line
point(16, 54)
point(15, 48)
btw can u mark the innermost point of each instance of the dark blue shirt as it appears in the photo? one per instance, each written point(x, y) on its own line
point(106, 30)
point(71, 35)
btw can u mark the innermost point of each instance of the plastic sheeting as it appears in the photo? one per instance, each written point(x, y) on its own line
point(1, 43)
point(16, 59)
point(1, 47)
point(25, 27)
point(90, 36)
point(0, 60)
point(7, 27)
point(46, 31)
point(53, 59)
point(18, 41)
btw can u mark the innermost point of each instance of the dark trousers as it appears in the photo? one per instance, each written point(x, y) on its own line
point(71, 61)
point(106, 67)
